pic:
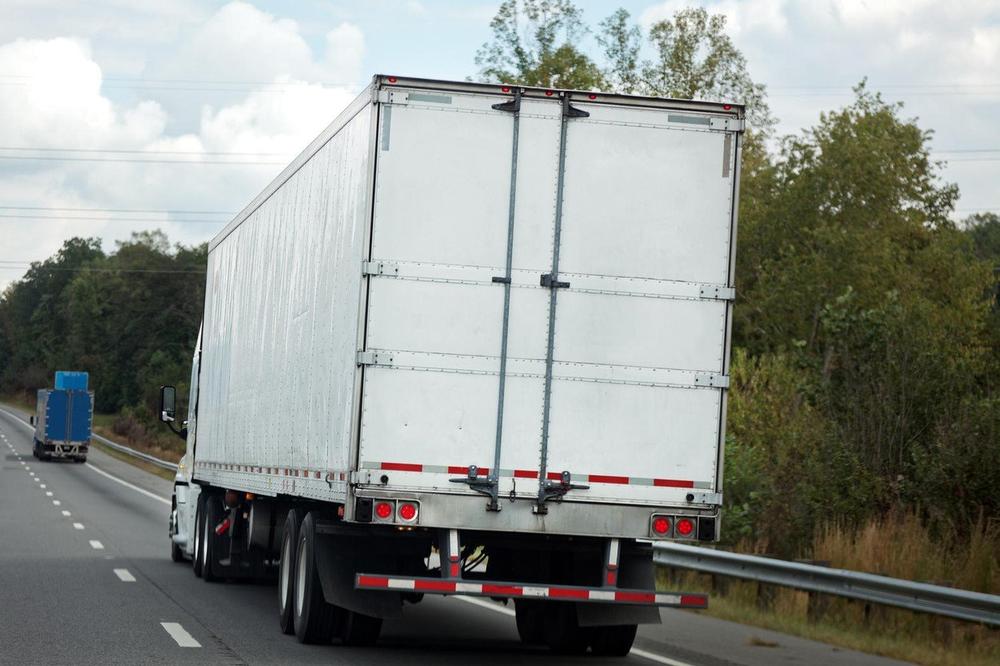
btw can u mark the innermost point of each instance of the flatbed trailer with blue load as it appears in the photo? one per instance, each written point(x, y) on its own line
point(63, 418)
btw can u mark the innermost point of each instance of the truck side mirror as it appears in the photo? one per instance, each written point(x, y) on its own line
point(31, 419)
point(168, 403)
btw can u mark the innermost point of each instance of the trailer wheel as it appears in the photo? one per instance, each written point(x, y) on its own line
point(196, 555)
point(314, 617)
point(286, 570)
point(612, 641)
point(563, 634)
point(530, 621)
point(210, 542)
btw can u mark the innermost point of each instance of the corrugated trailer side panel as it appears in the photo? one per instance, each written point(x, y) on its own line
point(278, 369)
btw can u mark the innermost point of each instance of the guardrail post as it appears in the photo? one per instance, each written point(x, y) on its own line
point(720, 585)
point(818, 603)
point(766, 593)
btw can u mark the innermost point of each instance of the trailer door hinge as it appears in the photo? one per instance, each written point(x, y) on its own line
point(706, 498)
point(727, 124)
point(393, 96)
point(379, 268)
point(716, 381)
point(360, 477)
point(374, 358)
point(718, 293)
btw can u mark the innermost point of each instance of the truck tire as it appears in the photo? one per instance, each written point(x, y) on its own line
point(196, 555)
point(286, 571)
point(314, 618)
point(612, 641)
point(360, 630)
point(530, 621)
point(563, 634)
point(210, 569)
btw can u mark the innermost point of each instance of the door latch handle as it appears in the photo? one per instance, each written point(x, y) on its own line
point(546, 281)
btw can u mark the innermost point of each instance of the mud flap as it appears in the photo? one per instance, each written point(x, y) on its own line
point(338, 557)
point(638, 572)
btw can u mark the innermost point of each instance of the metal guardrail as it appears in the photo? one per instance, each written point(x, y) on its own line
point(121, 448)
point(921, 597)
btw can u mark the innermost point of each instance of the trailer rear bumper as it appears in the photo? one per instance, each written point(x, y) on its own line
point(567, 517)
point(65, 449)
point(376, 582)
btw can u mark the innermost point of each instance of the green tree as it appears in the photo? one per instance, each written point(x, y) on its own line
point(535, 44)
point(693, 58)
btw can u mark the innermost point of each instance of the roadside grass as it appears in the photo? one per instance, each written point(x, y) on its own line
point(897, 546)
point(164, 446)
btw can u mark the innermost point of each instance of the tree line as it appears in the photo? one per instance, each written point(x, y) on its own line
point(867, 322)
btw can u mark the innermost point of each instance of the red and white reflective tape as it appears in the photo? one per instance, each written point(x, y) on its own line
point(325, 475)
point(563, 593)
point(533, 474)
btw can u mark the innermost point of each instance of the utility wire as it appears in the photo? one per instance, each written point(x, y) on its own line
point(135, 161)
point(143, 151)
point(108, 219)
point(124, 210)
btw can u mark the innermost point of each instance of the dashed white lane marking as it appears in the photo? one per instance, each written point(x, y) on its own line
point(124, 576)
point(180, 635)
point(43, 486)
point(77, 526)
point(96, 545)
point(129, 485)
point(56, 502)
point(487, 604)
point(66, 513)
point(37, 480)
point(658, 658)
point(651, 656)
point(48, 493)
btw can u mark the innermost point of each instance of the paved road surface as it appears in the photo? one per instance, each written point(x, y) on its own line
point(86, 578)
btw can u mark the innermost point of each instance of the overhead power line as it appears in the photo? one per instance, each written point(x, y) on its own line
point(124, 210)
point(81, 218)
point(142, 151)
point(104, 270)
point(51, 158)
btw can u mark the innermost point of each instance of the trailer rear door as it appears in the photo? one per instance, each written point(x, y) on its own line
point(616, 224)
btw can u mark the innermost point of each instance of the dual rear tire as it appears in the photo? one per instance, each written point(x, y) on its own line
point(303, 609)
point(555, 624)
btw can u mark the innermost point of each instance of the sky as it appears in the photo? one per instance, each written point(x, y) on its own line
point(123, 115)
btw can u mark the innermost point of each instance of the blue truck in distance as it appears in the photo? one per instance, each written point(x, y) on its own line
point(63, 418)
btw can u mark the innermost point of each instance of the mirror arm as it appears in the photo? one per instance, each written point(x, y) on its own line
point(182, 433)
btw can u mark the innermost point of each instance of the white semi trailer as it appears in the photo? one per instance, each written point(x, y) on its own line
point(473, 340)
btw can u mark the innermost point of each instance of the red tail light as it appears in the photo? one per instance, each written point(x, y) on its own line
point(685, 527)
point(407, 512)
point(661, 525)
point(383, 510)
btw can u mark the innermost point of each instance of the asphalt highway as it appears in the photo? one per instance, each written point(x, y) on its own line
point(86, 578)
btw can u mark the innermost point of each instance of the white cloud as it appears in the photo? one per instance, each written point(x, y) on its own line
point(242, 43)
point(60, 103)
point(767, 15)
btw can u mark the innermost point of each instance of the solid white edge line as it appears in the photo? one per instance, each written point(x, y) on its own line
point(660, 659)
point(492, 605)
point(129, 485)
point(643, 654)
point(124, 575)
point(180, 634)
point(99, 471)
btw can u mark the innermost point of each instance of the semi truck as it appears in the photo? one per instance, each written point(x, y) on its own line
point(63, 418)
point(473, 340)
